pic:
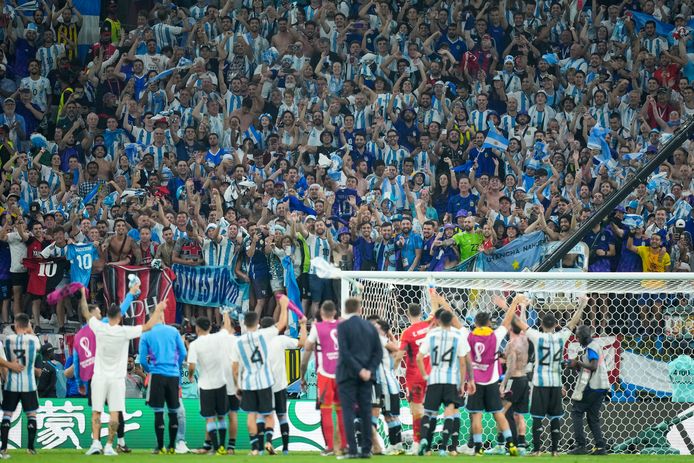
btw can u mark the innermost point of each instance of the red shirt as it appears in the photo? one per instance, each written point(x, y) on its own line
point(410, 340)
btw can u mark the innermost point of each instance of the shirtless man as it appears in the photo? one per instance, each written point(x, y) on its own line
point(284, 36)
point(514, 389)
point(120, 248)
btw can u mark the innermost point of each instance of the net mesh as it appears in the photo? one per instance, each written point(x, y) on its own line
point(644, 324)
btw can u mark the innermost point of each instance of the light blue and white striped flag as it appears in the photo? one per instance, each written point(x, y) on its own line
point(633, 221)
point(494, 139)
point(253, 134)
point(89, 32)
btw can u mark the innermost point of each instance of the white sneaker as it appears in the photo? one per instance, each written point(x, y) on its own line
point(4, 456)
point(497, 450)
point(95, 449)
point(109, 451)
point(394, 449)
point(414, 449)
point(181, 447)
point(465, 450)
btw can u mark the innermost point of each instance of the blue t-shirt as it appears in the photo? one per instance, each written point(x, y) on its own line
point(81, 257)
point(162, 351)
point(412, 243)
point(5, 261)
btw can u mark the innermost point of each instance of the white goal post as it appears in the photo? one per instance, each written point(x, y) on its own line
point(645, 322)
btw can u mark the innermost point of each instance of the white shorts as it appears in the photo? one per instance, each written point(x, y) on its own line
point(109, 392)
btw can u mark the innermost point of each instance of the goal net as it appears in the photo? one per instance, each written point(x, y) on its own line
point(644, 322)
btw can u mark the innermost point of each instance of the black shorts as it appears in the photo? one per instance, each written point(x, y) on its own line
point(29, 400)
point(438, 394)
point(260, 401)
point(163, 390)
point(485, 399)
point(5, 290)
point(281, 402)
point(518, 393)
point(261, 288)
point(321, 288)
point(376, 395)
point(19, 279)
point(546, 402)
point(234, 403)
point(391, 404)
point(213, 402)
point(302, 281)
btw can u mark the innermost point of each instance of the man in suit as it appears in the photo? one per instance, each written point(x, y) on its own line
point(360, 355)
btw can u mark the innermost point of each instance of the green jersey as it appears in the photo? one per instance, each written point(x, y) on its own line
point(468, 243)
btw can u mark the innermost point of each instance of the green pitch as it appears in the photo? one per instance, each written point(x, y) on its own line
point(72, 456)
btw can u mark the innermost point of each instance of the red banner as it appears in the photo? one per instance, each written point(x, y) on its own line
point(157, 285)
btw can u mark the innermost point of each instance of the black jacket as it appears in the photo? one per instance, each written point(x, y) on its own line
point(360, 347)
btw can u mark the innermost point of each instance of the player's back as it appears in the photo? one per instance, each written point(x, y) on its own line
point(324, 334)
point(410, 340)
point(253, 348)
point(549, 354)
point(444, 346)
point(209, 356)
point(22, 348)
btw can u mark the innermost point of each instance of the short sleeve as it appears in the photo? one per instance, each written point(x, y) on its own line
point(132, 332)
point(404, 340)
point(96, 325)
point(463, 345)
point(235, 357)
point(193, 353)
point(313, 335)
point(532, 335)
point(269, 333)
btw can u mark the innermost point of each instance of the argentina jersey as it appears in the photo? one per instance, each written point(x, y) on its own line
point(21, 348)
point(549, 354)
point(385, 374)
point(252, 352)
point(81, 257)
point(444, 347)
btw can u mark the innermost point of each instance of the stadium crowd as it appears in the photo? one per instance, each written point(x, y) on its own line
point(378, 135)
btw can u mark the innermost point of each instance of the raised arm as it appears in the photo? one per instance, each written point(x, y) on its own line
point(576, 319)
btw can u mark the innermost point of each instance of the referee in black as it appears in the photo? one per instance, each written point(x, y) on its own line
point(360, 354)
point(161, 354)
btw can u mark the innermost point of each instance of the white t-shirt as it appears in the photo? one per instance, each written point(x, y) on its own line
point(18, 251)
point(112, 342)
point(209, 358)
point(278, 345)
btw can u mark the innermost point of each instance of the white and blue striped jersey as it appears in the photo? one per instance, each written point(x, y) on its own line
point(166, 35)
point(218, 253)
point(252, 354)
point(51, 177)
point(385, 374)
point(444, 347)
point(22, 348)
point(49, 56)
point(549, 354)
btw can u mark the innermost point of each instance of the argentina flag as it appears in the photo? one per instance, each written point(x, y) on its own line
point(253, 134)
point(89, 33)
point(494, 139)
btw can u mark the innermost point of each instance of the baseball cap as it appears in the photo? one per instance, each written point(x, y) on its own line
point(508, 59)
point(8, 100)
point(633, 204)
point(212, 226)
point(343, 231)
point(462, 213)
point(32, 27)
point(520, 188)
point(680, 223)
point(497, 77)
point(309, 217)
point(439, 82)
point(619, 209)
point(680, 16)
point(669, 195)
point(47, 349)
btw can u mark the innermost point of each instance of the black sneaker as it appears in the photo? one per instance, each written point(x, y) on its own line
point(599, 451)
point(578, 451)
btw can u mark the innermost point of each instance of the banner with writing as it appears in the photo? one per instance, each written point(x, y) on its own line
point(520, 254)
point(210, 287)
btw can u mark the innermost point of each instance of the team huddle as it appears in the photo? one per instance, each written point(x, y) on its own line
point(452, 369)
point(449, 370)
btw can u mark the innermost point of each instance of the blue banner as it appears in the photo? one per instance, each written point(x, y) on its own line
point(521, 253)
point(209, 286)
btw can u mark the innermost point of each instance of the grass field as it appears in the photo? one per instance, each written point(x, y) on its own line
point(70, 456)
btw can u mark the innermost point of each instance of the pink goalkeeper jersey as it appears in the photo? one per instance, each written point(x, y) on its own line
point(326, 348)
point(85, 344)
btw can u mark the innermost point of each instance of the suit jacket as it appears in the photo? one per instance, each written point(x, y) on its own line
point(359, 347)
